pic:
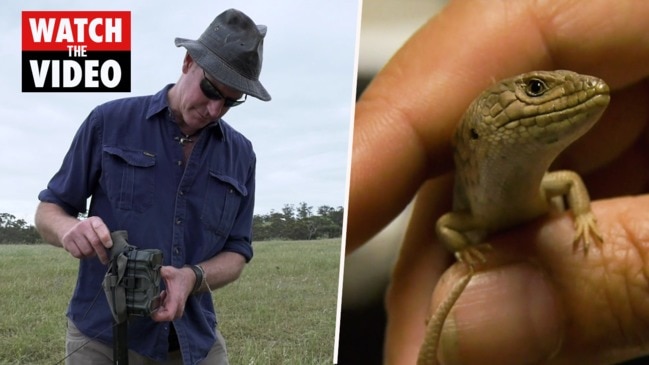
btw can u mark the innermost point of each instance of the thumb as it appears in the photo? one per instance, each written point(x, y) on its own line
point(539, 301)
point(509, 314)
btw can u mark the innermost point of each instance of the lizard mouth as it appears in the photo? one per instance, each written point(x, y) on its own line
point(574, 113)
point(562, 111)
point(573, 122)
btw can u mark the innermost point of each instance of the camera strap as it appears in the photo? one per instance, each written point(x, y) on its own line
point(114, 281)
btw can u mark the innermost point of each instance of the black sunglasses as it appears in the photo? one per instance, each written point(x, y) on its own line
point(212, 93)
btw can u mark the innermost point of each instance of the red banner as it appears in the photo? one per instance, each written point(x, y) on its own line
point(76, 51)
point(76, 30)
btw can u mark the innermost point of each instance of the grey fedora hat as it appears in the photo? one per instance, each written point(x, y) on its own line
point(231, 51)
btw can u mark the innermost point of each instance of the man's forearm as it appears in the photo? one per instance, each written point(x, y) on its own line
point(52, 222)
point(222, 269)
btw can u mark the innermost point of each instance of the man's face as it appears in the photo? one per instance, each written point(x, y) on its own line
point(196, 109)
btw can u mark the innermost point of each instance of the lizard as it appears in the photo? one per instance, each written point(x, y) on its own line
point(503, 148)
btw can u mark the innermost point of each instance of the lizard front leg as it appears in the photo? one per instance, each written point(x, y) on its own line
point(568, 184)
point(453, 230)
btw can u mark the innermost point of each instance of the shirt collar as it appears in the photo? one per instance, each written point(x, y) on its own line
point(159, 103)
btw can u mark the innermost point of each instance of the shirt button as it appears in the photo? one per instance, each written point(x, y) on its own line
point(177, 250)
point(181, 192)
point(179, 221)
point(179, 162)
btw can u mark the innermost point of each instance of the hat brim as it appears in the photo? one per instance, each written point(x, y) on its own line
point(221, 71)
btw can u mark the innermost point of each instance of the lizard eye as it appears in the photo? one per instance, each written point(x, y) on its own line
point(535, 87)
point(474, 134)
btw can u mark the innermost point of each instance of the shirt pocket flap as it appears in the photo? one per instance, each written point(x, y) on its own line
point(132, 157)
point(234, 183)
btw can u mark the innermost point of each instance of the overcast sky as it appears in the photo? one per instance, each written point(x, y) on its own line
point(301, 137)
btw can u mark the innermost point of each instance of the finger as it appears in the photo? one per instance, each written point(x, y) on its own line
point(172, 307)
point(399, 141)
point(419, 265)
point(78, 240)
point(102, 231)
point(174, 282)
point(162, 314)
point(89, 241)
point(542, 301)
point(524, 329)
point(72, 248)
point(99, 238)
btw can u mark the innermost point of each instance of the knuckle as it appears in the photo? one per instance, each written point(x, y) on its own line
point(72, 249)
point(86, 249)
point(94, 241)
point(86, 223)
point(97, 224)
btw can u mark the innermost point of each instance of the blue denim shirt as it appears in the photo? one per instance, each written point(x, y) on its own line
point(127, 158)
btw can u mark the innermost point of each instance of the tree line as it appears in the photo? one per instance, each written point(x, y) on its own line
point(299, 222)
point(14, 230)
point(293, 222)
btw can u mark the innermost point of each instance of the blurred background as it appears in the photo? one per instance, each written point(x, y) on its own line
point(385, 26)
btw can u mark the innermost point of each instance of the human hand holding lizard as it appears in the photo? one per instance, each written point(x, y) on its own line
point(535, 297)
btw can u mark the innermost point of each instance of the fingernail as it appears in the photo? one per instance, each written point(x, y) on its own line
point(509, 315)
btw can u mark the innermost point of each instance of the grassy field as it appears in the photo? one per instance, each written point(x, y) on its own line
point(281, 311)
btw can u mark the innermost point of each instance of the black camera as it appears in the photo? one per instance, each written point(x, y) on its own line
point(132, 283)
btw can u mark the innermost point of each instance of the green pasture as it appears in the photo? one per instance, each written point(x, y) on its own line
point(281, 311)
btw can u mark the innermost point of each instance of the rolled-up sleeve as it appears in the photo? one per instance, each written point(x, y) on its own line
point(240, 237)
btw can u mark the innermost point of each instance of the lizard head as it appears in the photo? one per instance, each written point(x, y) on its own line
point(536, 110)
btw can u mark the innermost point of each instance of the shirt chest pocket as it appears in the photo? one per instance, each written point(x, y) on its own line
point(128, 177)
point(222, 200)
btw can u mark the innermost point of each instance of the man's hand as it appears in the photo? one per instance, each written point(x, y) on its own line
point(81, 239)
point(563, 305)
point(179, 284)
point(220, 270)
point(88, 238)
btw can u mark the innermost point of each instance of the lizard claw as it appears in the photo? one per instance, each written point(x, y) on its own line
point(473, 255)
point(586, 230)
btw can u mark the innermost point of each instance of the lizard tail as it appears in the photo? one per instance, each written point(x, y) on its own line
point(428, 351)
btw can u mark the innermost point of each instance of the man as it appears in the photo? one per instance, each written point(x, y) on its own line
point(167, 169)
